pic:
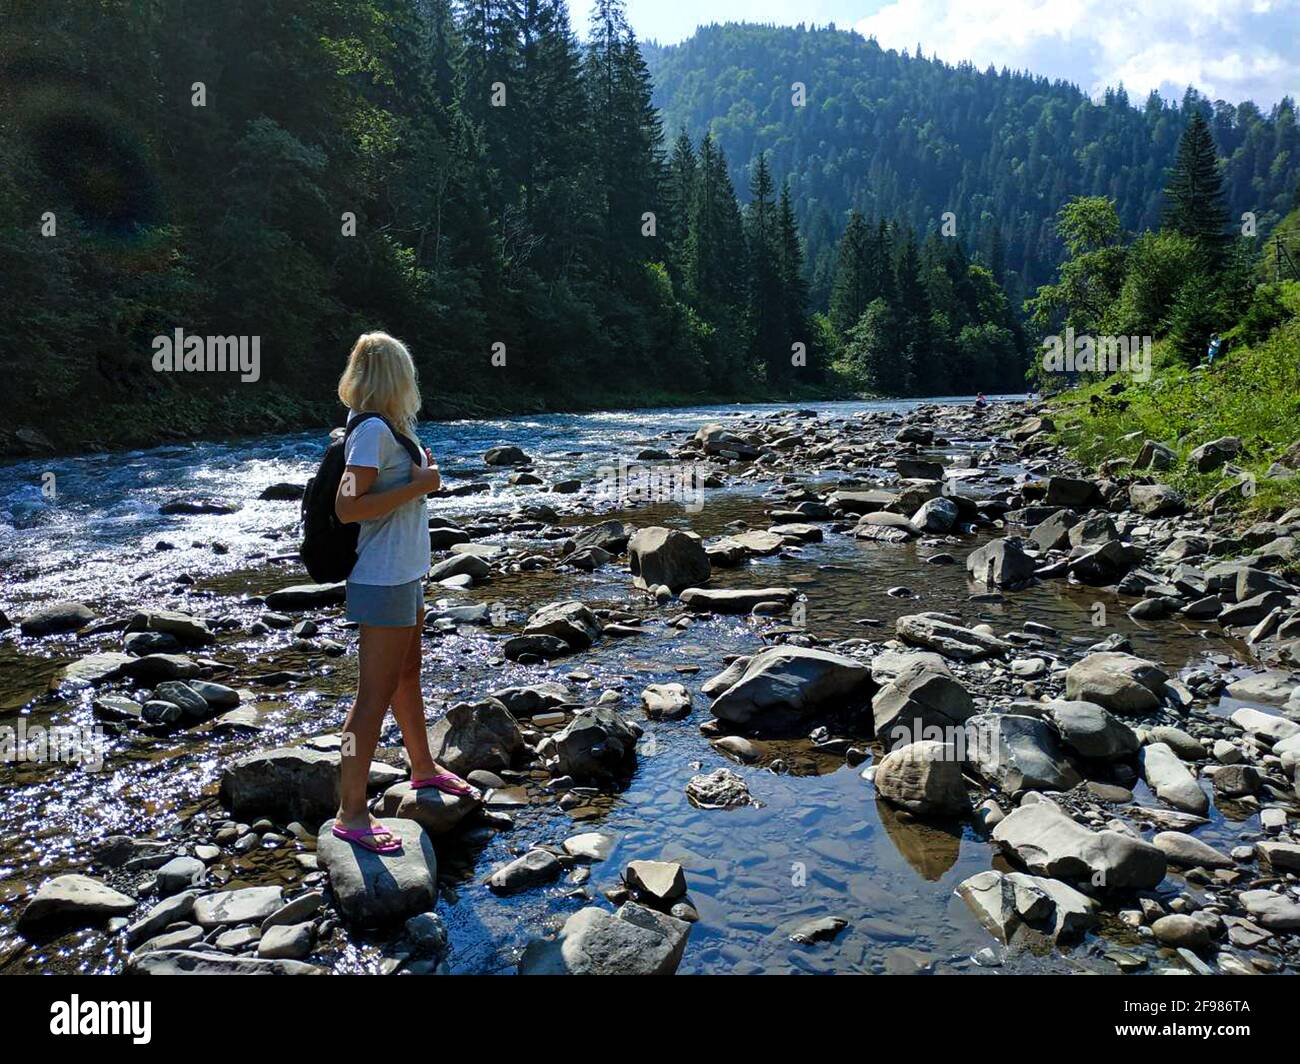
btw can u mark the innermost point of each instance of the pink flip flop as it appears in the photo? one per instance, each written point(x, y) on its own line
point(358, 837)
point(448, 783)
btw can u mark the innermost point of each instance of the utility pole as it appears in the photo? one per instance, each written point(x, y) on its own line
point(1280, 256)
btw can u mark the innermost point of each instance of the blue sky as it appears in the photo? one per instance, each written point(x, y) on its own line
point(1230, 49)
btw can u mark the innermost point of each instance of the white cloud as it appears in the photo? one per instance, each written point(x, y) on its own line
point(1228, 49)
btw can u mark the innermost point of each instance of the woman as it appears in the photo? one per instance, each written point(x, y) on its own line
point(384, 491)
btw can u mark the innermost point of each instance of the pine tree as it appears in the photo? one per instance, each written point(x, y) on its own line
point(912, 308)
point(794, 286)
point(1195, 192)
point(680, 182)
point(852, 288)
point(715, 262)
point(626, 146)
point(767, 326)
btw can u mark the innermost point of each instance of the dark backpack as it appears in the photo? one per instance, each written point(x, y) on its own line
point(329, 547)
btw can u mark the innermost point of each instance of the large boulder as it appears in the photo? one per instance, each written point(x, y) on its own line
point(505, 455)
point(610, 536)
point(1216, 453)
point(596, 744)
point(1030, 428)
point(436, 811)
point(1171, 780)
point(532, 869)
point(1187, 851)
point(56, 618)
point(1156, 500)
point(1047, 842)
point(936, 515)
point(192, 631)
point(293, 782)
point(924, 778)
point(380, 889)
point(470, 565)
point(1116, 681)
point(1104, 564)
point(1001, 563)
point(667, 556)
point(885, 527)
point(1155, 455)
point(476, 735)
point(1266, 726)
point(1016, 907)
point(781, 685)
point(527, 700)
point(655, 883)
point(918, 698)
point(666, 701)
point(1018, 753)
point(1091, 732)
point(73, 901)
point(634, 940)
point(1073, 493)
point(1053, 532)
point(571, 621)
point(950, 640)
point(717, 439)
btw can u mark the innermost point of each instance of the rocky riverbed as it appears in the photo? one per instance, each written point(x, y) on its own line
point(863, 687)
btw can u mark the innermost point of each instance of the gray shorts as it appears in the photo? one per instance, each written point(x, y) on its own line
point(397, 606)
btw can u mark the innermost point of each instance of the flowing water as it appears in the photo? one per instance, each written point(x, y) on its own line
point(818, 845)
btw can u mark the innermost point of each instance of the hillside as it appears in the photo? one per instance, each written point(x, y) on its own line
point(907, 138)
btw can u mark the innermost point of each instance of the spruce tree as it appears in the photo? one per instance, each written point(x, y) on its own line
point(794, 286)
point(767, 327)
point(1196, 206)
point(852, 288)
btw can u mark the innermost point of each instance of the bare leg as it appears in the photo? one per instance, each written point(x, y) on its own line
point(408, 708)
point(382, 653)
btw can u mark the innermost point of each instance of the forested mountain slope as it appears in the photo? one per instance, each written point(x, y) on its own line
point(907, 138)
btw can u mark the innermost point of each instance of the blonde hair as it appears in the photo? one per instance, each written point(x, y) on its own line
point(380, 378)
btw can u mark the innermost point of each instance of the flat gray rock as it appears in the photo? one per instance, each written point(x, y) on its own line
point(1049, 843)
point(374, 890)
point(74, 900)
point(635, 940)
point(191, 962)
point(247, 905)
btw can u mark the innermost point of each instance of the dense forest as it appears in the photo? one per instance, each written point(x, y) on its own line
point(542, 223)
point(908, 138)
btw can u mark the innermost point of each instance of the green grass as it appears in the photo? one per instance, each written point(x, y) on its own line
point(1252, 392)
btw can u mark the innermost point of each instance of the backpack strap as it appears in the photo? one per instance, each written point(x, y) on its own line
point(409, 444)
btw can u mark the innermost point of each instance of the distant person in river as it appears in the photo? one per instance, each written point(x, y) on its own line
point(383, 490)
point(980, 400)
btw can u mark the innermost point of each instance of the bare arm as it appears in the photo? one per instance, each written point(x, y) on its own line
point(356, 502)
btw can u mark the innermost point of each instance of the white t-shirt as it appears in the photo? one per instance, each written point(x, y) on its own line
point(395, 548)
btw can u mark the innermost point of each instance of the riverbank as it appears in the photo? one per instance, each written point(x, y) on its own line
point(1227, 436)
point(178, 415)
point(705, 752)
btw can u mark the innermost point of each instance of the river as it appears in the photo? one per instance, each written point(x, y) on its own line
point(819, 845)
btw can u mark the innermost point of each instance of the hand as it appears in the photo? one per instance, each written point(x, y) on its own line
point(426, 478)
